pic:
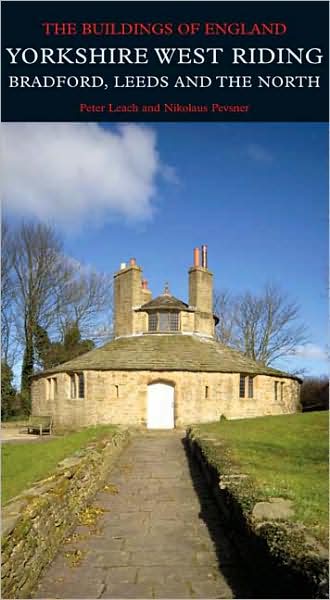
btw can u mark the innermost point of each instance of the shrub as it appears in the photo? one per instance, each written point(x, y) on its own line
point(314, 394)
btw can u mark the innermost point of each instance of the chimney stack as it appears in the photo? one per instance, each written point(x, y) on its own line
point(127, 295)
point(201, 293)
point(204, 256)
point(146, 294)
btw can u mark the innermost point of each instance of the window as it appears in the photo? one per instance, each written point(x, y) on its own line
point(250, 386)
point(279, 390)
point(77, 385)
point(174, 321)
point(117, 391)
point(51, 388)
point(242, 386)
point(164, 321)
point(72, 386)
point(246, 386)
point(81, 385)
point(206, 391)
point(152, 321)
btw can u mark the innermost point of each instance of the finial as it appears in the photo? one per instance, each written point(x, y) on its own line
point(166, 291)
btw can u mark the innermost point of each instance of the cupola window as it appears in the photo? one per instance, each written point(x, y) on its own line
point(153, 321)
point(174, 321)
point(163, 321)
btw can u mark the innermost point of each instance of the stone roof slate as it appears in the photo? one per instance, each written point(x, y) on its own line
point(158, 352)
point(165, 301)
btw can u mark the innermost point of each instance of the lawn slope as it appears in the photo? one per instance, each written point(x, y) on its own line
point(286, 456)
point(24, 464)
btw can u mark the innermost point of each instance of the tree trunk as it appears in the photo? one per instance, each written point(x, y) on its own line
point(27, 367)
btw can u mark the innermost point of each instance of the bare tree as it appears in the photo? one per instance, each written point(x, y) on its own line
point(87, 301)
point(51, 293)
point(224, 306)
point(7, 295)
point(41, 275)
point(265, 327)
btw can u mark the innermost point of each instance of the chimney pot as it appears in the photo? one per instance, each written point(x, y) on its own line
point(204, 256)
point(132, 262)
point(196, 257)
point(122, 266)
point(144, 284)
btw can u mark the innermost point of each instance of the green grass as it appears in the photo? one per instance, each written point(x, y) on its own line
point(24, 464)
point(286, 456)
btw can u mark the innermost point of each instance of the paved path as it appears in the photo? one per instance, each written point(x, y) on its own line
point(159, 537)
point(19, 434)
point(15, 434)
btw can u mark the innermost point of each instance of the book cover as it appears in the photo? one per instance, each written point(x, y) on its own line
point(164, 299)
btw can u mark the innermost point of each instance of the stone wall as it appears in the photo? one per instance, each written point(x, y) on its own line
point(35, 523)
point(120, 397)
point(187, 321)
point(275, 546)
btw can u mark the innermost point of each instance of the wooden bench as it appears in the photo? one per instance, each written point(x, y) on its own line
point(40, 424)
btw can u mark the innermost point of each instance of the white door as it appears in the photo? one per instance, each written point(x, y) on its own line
point(160, 406)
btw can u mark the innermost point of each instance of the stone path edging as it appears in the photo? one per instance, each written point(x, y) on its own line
point(35, 523)
point(293, 560)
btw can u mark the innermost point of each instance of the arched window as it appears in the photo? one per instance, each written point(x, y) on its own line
point(81, 385)
point(73, 386)
point(77, 385)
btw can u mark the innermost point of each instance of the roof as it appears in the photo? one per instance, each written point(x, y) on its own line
point(165, 301)
point(158, 352)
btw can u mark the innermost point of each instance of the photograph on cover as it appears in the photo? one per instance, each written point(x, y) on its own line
point(164, 388)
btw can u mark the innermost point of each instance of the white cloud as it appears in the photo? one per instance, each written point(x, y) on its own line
point(311, 351)
point(74, 173)
point(259, 153)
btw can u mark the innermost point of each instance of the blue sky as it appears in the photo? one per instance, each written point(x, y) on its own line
point(256, 194)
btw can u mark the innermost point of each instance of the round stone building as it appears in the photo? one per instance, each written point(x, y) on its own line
point(164, 367)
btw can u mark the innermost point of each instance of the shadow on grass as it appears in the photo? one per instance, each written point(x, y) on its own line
point(244, 581)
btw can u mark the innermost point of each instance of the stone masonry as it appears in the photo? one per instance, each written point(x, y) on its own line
point(121, 397)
